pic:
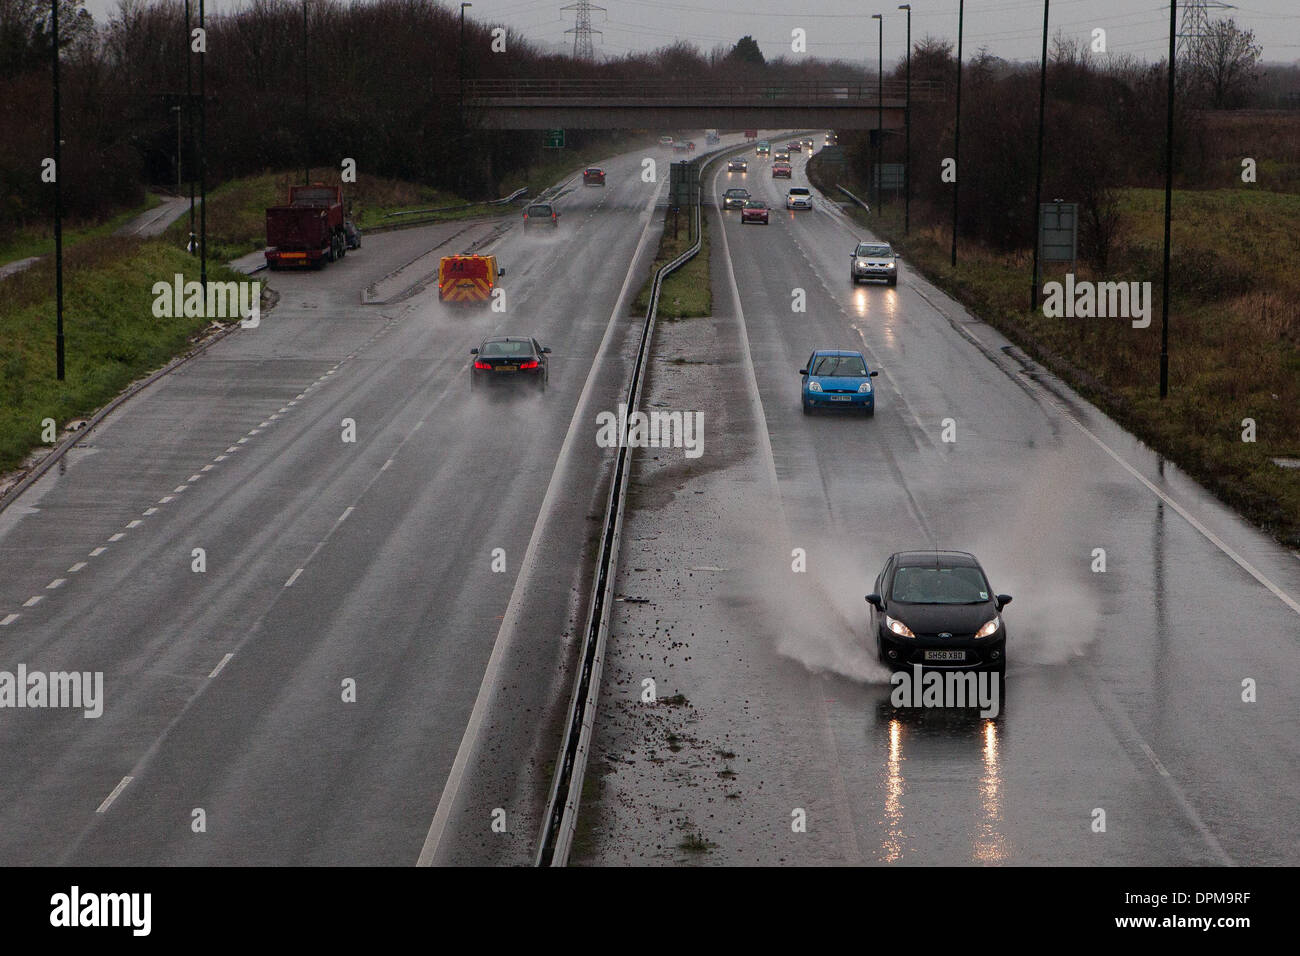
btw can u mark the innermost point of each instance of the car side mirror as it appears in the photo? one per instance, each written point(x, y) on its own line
point(473, 351)
point(874, 374)
point(803, 371)
point(501, 270)
point(545, 350)
point(874, 601)
point(1003, 600)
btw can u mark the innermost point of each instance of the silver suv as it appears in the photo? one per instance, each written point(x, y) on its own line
point(874, 260)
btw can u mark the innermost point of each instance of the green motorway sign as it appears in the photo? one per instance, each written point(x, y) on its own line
point(554, 139)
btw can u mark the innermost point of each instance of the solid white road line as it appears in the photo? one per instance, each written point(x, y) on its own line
point(113, 796)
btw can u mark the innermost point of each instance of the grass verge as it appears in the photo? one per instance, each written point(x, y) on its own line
point(1234, 331)
point(686, 293)
point(112, 337)
point(38, 240)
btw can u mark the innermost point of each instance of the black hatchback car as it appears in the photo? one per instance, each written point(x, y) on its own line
point(513, 358)
point(936, 609)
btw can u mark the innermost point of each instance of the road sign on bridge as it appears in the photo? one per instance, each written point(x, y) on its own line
point(554, 139)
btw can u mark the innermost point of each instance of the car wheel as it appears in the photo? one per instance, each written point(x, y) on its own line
point(807, 407)
point(871, 411)
point(880, 652)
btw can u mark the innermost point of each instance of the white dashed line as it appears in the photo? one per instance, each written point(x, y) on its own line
point(178, 489)
point(344, 516)
point(207, 468)
point(241, 441)
point(300, 396)
point(150, 511)
point(76, 567)
point(97, 552)
point(220, 458)
point(34, 600)
point(135, 523)
point(113, 796)
point(231, 449)
point(253, 431)
point(293, 577)
point(217, 670)
point(264, 424)
point(56, 583)
point(163, 501)
point(283, 410)
point(9, 619)
point(117, 537)
point(291, 404)
point(193, 478)
point(386, 464)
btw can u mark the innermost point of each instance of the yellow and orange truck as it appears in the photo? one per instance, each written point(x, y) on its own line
point(468, 278)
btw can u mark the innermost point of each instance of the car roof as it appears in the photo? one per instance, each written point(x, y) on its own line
point(839, 352)
point(946, 559)
point(507, 338)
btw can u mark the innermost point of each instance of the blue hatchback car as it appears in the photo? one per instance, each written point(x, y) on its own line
point(838, 378)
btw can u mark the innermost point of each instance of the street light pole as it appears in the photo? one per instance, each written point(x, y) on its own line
point(192, 248)
point(58, 196)
point(306, 104)
point(1038, 187)
point(907, 112)
point(880, 111)
point(956, 132)
point(203, 157)
point(177, 110)
point(460, 62)
point(1169, 201)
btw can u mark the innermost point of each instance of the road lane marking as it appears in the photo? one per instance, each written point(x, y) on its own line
point(165, 499)
point(56, 583)
point(344, 517)
point(117, 537)
point(207, 468)
point(9, 619)
point(220, 458)
point(217, 670)
point(33, 601)
point(150, 511)
point(108, 801)
point(178, 489)
point(134, 523)
point(386, 464)
point(232, 449)
point(293, 577)
point(76, 567)
point(242, 441)
point(97, 552)
point(193, 478)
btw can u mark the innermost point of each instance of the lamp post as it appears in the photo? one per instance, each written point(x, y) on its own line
point(192, 248)
point(58, 195)
point(203, 158)
point(880, 110)
point(177, 110)
point(306, 104)
point(1038, 187)
point(1169, 201)
point(907, 113)
point(956, 132)
point(460, 63)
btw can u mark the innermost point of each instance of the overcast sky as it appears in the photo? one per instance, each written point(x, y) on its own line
point(843, 28)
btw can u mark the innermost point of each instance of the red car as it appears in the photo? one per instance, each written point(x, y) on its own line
point(794, 147)
point(755, 210)
point(781, 169)
point(593, 176)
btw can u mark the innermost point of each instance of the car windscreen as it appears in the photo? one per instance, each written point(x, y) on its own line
point(840, 366)
point(506, 349)
point(799, 191)
point(871, 251)
point(738, 193)
point(931, 585)
point(755, 204)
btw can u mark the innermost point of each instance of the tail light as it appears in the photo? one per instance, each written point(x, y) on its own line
point(525, 215)
point(531, 363)
point(480, 364)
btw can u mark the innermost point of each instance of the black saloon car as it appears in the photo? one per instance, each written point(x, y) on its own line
point(510, 358)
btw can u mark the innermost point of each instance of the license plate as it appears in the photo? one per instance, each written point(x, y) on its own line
point(840, 398)
point(945, 655)
point(507, 368)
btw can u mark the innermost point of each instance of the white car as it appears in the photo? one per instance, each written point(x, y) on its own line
point(874, 260)
point(799, 197)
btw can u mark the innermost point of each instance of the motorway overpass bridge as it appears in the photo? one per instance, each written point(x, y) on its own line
point(637, 104)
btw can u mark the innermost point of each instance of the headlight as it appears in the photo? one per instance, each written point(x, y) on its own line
point(989, 627)
point(889, 265)
point(865, 388)
point(814, 386)
point(898, 627)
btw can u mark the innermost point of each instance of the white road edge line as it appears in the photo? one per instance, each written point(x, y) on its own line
point(293, 577)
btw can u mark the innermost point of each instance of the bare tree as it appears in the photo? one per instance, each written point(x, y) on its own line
point(1223, 63)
